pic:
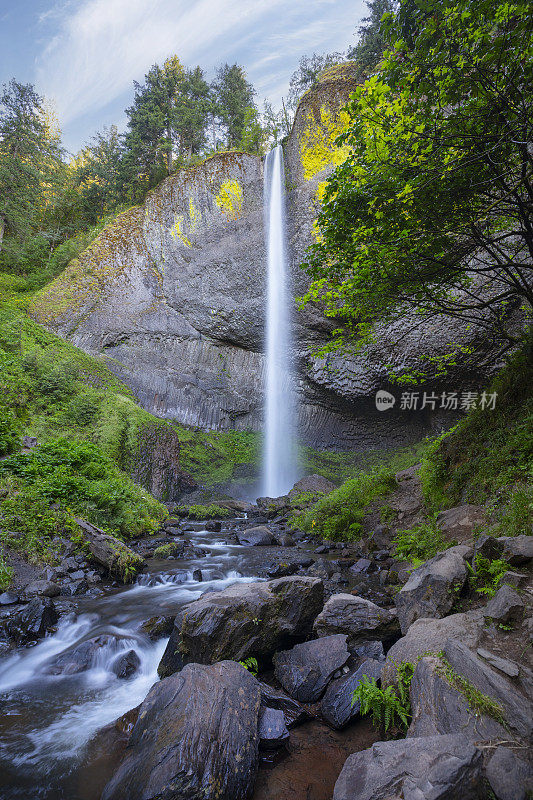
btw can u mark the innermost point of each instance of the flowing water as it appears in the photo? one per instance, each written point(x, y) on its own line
point(47, 721)
point(280, 466)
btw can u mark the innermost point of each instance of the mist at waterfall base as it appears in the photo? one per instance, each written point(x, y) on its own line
point(280, 470)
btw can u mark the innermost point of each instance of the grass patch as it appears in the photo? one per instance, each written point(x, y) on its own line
point(478, 702)
point(339, 514)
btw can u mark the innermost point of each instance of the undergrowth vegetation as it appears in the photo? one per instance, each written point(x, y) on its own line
point(389, 706)
point(420, 543)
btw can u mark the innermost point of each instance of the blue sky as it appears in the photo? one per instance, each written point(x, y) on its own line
point(83, 55)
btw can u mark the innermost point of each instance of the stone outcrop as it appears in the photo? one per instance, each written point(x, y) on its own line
point(171, 295)
point(245, 620)
point(360, 619)
point(305, 671)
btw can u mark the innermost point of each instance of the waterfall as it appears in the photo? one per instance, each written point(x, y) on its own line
point(279, 461)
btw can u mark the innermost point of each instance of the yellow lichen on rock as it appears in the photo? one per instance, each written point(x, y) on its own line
point(229, 199)
point(318, 149)
point(176, 231)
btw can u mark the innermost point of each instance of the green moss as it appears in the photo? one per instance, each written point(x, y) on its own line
point(204, 512)
point(478, 702)
point(166, 550)
point(229, 199)
point(318, 148)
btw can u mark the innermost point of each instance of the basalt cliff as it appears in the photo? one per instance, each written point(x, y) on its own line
point(171, 295)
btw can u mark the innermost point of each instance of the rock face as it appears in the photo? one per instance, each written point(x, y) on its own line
point(32, 622)
point(248, 619)
point(305, 671)
point(171, 294)
point(431, 589)
point(360, 619)
point(195, 738)
point(428, 768)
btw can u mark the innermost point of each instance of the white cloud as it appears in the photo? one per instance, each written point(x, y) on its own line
point(98, 47)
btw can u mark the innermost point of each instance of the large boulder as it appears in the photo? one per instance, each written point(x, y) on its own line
point(462, 693)
point(432, 588)
point(428, 768)
point(358, 618)
point(256, 537)
point(196, 738)
point(108, 551)
point(311, 484)
point(517, 550)
point(509, 776)
point(293, 713)
point(79, 658)
point(428, 636)
point(32, 622)
point(337, 707)
point(305, 671)
point(461, 522)
point(505, 606)
point(245, 620)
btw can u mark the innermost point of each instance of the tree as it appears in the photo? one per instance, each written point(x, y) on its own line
point(234, 95)
point(372, 42)
point(433, 206)
point(309, 70)
point(193, 106)
point(98, 173)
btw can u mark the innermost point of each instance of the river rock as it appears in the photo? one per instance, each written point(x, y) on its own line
point(306, 669)
point(358, 618)
point(517, 550)
point(336, 706)
point(431, 588)
point(505, 606)
point(273, 732)
point(126, 664)
point(293, 713)
point(196, 738)
point(428, 636)
point(427, 768)
point(8, 598)
point(32, 622)
point(509, 776)
point(284, 539)
point(119, 559)
point(259, 536)
point(80, 658)
point(244, 620)
point(42, 588)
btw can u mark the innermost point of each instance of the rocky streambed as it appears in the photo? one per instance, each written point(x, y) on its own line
point(136, 691)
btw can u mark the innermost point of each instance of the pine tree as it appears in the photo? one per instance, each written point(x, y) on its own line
point(193, 106)
point(234, 96)
point(98, 173)
point(369, 49)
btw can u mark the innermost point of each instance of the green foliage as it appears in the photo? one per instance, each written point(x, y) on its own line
point(81, 477)
point(372, 40)
point(489, 454)
point(339, 514)
point(486, 574)
point(420, 543)
point(6, 573)
point(251, 665)
point(437, 170)
point(166, 550)
point(204, 512)
point(516, 518)
point(234, 97)
point(388, 706)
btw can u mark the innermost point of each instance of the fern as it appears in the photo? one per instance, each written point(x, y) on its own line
point(250, 664)
point(389, 705)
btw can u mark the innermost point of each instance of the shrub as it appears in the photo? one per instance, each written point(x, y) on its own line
point(339, 514)
point(486, 575)
point(516, 518)
point(6, 573)
point(420, 543)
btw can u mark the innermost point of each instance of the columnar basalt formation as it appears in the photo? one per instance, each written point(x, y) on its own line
point(171, 294)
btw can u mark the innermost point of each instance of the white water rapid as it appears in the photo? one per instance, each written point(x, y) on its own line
point(279, 463)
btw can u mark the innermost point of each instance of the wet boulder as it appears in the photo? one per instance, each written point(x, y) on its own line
point(293, 713)
point(126, 664)
point(358, 618)
point(196, 738)
point(245, 620)
point(306, 669)
point(336, 707)
point(273, 732)
point(79, 658)
point(427, 768)
point(259, 536)
point(32, 622)
point(42, 589)
point(431, 588)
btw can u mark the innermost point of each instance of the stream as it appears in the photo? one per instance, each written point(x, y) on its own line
point(47, 721)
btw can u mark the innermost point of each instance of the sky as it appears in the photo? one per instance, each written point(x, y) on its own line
point(83, 55)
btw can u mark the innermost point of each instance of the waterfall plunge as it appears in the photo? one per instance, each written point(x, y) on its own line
point(279, 464)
